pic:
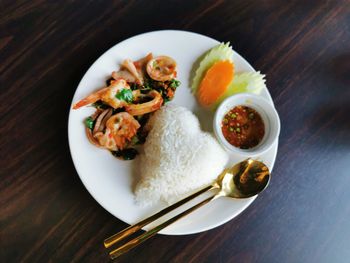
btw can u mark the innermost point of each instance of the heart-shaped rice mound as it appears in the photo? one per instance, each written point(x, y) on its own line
point(178, 157)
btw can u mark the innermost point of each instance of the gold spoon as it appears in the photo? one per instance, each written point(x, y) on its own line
point(243, 180)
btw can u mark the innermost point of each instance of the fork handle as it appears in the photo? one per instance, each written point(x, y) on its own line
point(140, 239)
point(132, 229)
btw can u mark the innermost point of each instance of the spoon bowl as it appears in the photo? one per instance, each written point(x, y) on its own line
point(245, 179)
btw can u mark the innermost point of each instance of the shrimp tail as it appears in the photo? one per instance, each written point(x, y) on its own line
point(92, 98)
point(82, 103)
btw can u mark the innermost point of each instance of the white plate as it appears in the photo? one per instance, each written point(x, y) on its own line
point(109, 180)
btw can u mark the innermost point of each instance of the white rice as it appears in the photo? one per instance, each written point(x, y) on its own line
point(178, 157)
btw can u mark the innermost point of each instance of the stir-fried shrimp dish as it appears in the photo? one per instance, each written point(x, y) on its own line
point(123, 107)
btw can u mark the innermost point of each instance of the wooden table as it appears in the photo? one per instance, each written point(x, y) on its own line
point(304, 48)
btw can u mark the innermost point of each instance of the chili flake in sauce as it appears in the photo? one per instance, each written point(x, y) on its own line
point(243, 127)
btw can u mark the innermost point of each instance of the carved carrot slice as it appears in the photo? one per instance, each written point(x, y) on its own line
point(215, 82)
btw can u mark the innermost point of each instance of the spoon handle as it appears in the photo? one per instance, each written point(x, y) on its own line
point(140, 239)
point(132, 229)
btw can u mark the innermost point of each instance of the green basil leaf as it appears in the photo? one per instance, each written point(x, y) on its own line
point(89, 122)
point(125, 94)
point(174, 83)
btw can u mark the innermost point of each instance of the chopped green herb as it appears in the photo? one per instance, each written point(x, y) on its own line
point(155, 64)
point(225, 120)
point(251, 115)
point(233, 116)
point(134, 140)
point(174, 83)
point(238, 130)
point(89, 122)
point(231, 129)
point(125, 94)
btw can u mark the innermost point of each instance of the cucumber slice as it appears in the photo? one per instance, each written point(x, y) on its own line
point(220, 52)
point(252, 82)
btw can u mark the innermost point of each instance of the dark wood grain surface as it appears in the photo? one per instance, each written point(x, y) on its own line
point(302, 46)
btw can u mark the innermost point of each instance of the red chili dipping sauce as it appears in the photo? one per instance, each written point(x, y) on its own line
point(243, 127)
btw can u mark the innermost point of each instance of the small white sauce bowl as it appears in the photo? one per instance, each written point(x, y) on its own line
point(268, 114)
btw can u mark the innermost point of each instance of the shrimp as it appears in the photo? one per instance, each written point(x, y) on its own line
point(107, 95)
point(141, 63)
point(129, 65)
point(150, 106)
point(120, 128)
point(133, 71)
point(123, 74)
